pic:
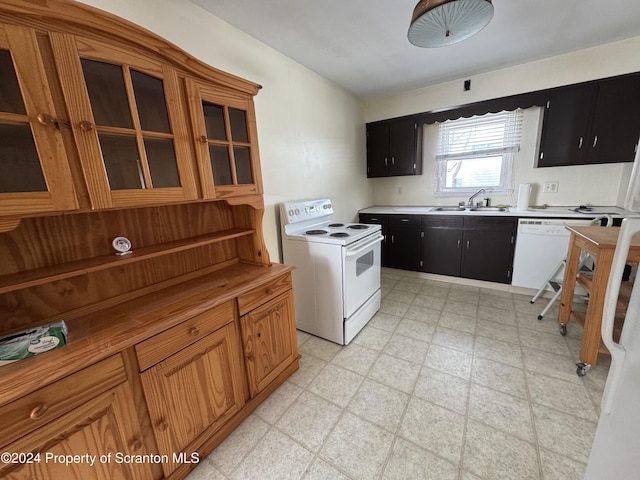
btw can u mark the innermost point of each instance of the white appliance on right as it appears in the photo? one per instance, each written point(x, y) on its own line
point(616, 449)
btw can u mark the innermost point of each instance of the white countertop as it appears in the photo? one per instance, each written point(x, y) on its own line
point(548, 212)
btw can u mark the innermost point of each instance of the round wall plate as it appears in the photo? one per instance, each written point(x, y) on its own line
point(122, 245)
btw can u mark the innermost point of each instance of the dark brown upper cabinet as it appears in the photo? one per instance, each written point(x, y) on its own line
point(393, 148)
point(589, 123)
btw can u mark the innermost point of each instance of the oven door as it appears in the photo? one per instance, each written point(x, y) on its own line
point(361, 273)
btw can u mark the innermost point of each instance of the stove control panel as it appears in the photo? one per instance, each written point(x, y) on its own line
point(299, 211)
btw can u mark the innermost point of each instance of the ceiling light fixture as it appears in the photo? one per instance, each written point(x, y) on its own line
point(437, 23)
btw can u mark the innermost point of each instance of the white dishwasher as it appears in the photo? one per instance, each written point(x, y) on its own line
point(541, 244)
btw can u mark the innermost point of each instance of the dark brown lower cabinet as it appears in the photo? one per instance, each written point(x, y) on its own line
point(382, 220)
point(442, 244)
point(469, 246)
point(405, 242)
point(487, 253)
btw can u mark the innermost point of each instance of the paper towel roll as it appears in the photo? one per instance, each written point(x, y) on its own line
point(524, 192)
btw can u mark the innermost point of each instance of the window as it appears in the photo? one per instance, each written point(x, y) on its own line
point(477, 152)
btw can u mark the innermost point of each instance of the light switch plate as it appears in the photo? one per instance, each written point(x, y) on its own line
point(550, 187)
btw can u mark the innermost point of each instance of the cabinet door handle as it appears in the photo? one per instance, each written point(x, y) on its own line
point(203, 139)
point(270, 291)
point(458, 244)
point(392, 238)
point(38, 411)
point(393, 160)
point(86, 125)
point(468, 244)
point(405, 220)
point(580, 143)
point(386, 161)
point(595, 141)
point(195, 331)
point(47, 120)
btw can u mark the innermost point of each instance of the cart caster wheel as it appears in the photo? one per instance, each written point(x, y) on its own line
point(539, 317)
point(563, 330)
point(582, 369)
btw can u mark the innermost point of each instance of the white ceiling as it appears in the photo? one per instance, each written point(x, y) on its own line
point(362, 44)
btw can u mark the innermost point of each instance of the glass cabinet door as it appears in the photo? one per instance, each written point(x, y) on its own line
point(34, 171)
point(129, 124)
point(227, 150)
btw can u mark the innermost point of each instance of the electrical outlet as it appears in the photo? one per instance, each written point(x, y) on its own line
point(550, 187)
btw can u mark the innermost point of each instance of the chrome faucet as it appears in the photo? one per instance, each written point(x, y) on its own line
point(470, 201)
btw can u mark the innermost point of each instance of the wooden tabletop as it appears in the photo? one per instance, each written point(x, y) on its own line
point(598, 239)
point(603, 237)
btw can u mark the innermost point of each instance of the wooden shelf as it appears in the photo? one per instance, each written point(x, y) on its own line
point(618, 323)
point(102, 333)
point(585, 280)
point(40, 276)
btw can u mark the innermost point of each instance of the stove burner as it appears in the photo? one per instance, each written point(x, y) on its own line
point(315, 232)
point(336, 225)
point(358, 226)
point(339, 234)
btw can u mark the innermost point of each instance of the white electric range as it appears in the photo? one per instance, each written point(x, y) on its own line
point(336, 283)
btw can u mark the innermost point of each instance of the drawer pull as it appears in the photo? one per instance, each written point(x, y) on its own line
point(38, 411)
point(162, 425)
point(270, 291)
point(195, 331)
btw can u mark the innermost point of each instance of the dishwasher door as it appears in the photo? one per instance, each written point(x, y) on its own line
point(541, 244)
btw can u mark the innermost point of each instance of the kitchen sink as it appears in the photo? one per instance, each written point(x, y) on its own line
point(449, 209)
point(487, 209)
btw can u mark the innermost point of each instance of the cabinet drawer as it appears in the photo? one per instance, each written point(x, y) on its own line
point(40, 407)
point(444, 221)
point(405, 219)
point(374, 218)
point(490, 223)
point(160, 346)
point(264, 293)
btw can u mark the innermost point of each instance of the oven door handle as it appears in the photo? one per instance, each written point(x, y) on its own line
point(377, 239)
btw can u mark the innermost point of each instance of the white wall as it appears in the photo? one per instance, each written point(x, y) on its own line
point(310, 131)
point(588, 184)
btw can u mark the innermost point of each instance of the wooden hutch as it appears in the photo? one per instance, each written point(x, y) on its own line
point(107, 130)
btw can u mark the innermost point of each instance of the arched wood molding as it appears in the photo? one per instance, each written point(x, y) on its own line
point(79, 19)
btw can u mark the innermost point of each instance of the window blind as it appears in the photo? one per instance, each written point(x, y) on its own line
point(487, 135)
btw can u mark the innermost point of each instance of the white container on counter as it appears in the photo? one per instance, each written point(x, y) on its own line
point(524, 193)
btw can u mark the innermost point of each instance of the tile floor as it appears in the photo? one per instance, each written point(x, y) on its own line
point(447, 382)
